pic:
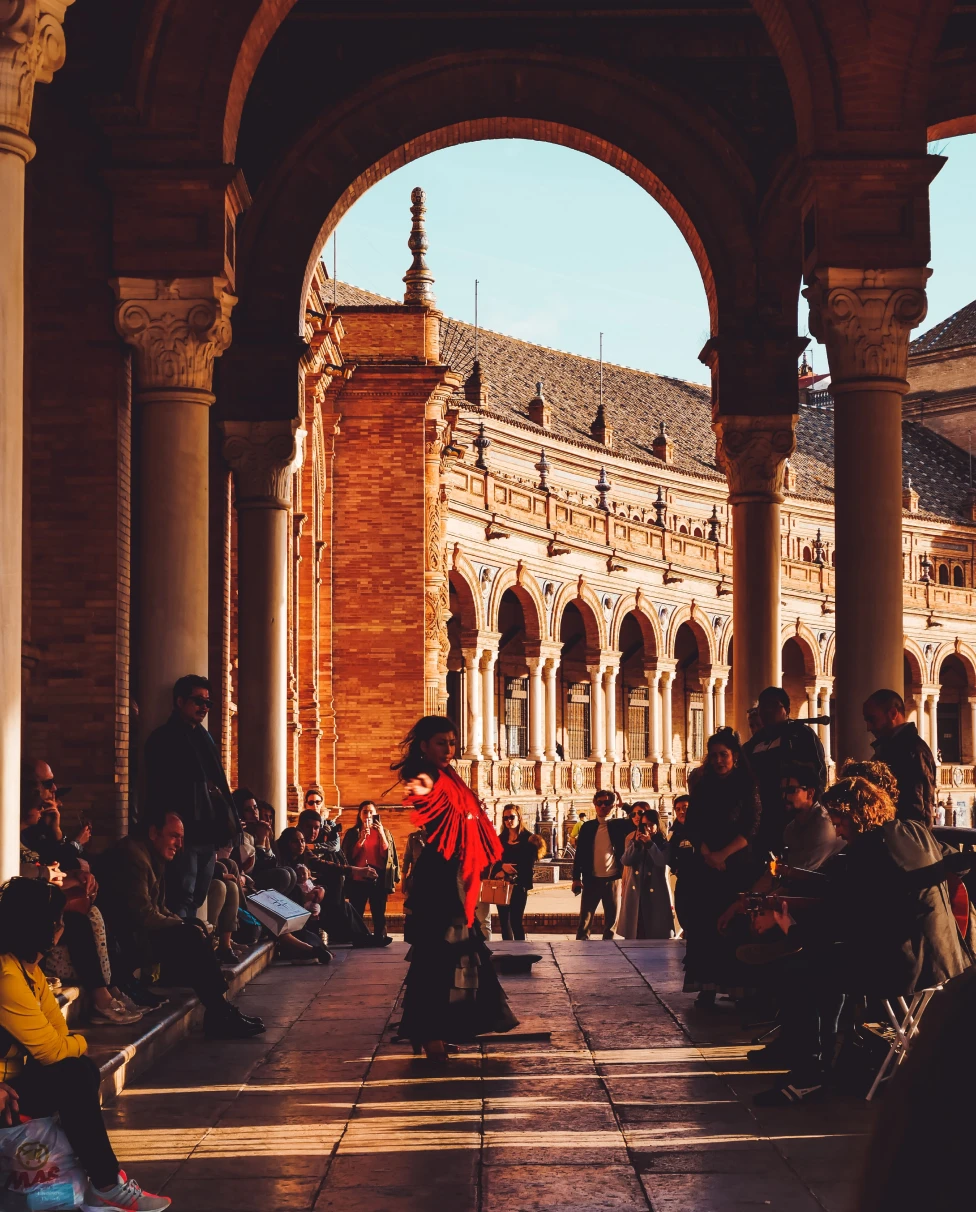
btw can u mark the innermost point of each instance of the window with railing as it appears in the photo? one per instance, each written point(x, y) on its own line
point(696, 732)
point(577, 719)
point(638, 724)
point(517, 717)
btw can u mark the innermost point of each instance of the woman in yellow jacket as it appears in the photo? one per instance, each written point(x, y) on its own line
point(43, 1067)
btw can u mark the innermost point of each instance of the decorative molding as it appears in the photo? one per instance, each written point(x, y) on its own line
point(752, 451)
point(176, 328)
point(264, 455)
point(864, 318)
point(32, 48)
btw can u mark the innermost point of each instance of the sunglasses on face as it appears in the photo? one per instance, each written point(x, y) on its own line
point(48, 784)
point(509, 818)
point(200, 701)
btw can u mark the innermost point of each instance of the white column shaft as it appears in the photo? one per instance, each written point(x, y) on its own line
point(552, 685)
point(719, 704)
point(667, 728)
point(654, 722)
point(490, 723)
point(598, 717)
point(610, 693)
point(537, 710)
point(708, 696)
point(473, 707)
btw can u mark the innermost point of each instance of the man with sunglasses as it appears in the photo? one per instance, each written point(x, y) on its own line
point(598, 864)
point(184, 776)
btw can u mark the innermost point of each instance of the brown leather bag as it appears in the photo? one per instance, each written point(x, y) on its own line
point(496, 892)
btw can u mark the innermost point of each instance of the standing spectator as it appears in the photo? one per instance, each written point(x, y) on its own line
point(521, 850)
point(722, 820)
point(184, 776)
point(779, 743)
point(645, 909)
point(680, 852)
point(132, 874)
point(330, 832)
point(906, 755)
point(369, 847)
point(415, 844)
point(598, 865)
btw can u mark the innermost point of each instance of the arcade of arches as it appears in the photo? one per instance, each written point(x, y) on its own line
point(206, 465)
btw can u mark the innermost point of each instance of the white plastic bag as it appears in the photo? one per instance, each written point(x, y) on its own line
point(38, 1169)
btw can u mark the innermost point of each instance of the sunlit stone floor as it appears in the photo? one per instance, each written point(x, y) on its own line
point(636, 1102)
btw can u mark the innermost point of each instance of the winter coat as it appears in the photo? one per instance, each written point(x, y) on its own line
point(524, 853)
point(184, 775)
point(910, 760)
point(583, 859)
point(645, 895)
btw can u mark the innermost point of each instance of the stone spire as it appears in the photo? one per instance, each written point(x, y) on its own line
point(540, 413)
point(418, 278)
point(600, 430)
point(476, 387)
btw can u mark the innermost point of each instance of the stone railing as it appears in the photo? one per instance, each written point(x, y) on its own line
point(956, 774)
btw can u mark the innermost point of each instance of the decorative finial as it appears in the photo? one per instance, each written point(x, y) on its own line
point(476, 387)
point(543, 467)
point(662, 447)
point(603, 487)
point(713, 525)
point(418, 278)
point(925, 568)
point(818, 549)
point(600, 430)
point(660, 508)
point(540, 413)
point(805, 367)
point(481, 444)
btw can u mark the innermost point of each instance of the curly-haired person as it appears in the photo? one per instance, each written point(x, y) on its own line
point(886, 929)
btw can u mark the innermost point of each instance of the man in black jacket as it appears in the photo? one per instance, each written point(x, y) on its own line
point(778, 744)
point(598, 865)
point(184, 775)
point(905, 754)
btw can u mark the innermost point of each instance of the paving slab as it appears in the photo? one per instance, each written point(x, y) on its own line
point(635, 1103)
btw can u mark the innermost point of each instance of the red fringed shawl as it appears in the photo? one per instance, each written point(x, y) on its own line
point(461, 828)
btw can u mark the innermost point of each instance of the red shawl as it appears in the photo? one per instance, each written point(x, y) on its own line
point(461, 828)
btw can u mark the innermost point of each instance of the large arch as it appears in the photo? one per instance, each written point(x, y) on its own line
point(646, 617)
point(701, 628)
point(464, 582)
point(588, 604)
point(526, 589)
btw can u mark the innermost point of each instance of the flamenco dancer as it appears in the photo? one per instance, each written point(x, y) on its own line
point(452, 993)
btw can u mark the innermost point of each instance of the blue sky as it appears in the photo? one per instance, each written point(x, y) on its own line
point(564, 247)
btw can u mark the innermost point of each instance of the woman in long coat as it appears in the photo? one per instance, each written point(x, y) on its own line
point(645, 901)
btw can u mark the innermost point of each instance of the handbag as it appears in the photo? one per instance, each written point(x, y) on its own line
point(496, 892)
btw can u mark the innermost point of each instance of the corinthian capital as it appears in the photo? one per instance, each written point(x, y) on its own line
point(264, 455)
point(752, 451)
point(31, 51)
point(864, 318)
point(176, 328)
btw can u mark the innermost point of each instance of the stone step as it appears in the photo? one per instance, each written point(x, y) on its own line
point(534, 923)
point(124, 1053)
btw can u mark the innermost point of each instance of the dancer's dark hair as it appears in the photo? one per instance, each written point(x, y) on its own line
point(412, 760)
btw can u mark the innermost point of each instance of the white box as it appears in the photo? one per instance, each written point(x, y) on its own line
point(276, 911)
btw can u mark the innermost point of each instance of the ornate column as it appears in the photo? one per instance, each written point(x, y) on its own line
point(864, 317)
point(667, 728)
point(610, 694)
point(823, 708)
point(437, 605)
point(752, 452)
point(489, 660)
point(598, 715)
point(654, 713)
point(473, 701)
point(537, 709)
point(176, 329)
point(721, 681)
point(263, 455)
point(31, 51)
point(708, 697)
point(812, 694)
point(552, 691)
point(929, 724)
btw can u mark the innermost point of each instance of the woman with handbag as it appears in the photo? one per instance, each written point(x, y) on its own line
point(44, 1067)
point(374, 865)
point(521, 850)
point(452, 993)
point(645, 902)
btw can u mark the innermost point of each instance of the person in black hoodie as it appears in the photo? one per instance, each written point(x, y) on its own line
point(184, 776)
point(906, 755)
point(521, 850)
point(723, 818)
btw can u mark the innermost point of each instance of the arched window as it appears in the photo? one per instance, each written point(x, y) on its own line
point(958, 577)
point(697, 533)
point(682, 529)
point(943, 574)
point(806, 556)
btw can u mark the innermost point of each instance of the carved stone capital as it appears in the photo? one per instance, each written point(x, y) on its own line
point(263, 455)
point(32, 49)
point(752, 451)
point(176, 328)
point(864, 318)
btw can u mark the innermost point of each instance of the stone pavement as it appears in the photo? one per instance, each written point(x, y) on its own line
point(634, 1103)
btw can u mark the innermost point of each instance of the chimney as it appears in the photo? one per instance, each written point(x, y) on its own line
point(909, 498)
point(662, 446)
point(476, 387)
point(540, 411)
point(601, 431)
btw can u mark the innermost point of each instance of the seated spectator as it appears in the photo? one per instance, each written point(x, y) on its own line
point(268, 870)
point(330, 869)
point(246, 803)
point(372, 856)
point(267, 814)
point(132, 873)
point(223, 904)
point(312, 895)
point(44, 1070)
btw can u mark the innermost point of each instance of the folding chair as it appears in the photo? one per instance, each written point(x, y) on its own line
point(903, 1031)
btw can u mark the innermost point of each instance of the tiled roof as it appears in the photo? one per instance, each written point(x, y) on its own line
point(959, 329)
point(637, 401)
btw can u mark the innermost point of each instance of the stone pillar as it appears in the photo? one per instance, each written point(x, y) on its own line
point(667, 728)
point(489, 660)
point(708, 697)
point(537, 709)
point(720, 684)
point(31, 51)
point(812, 695)
point(971, 748)
point(598, 715)
point(473, 732)
point(929, 727)
point(823, 708)
point(864, 317)
point(753, 452)
point(610, 697)
point(552, 691)
point(176, 329)
point(263, 455)
point(654, 713)
point(437, 606)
